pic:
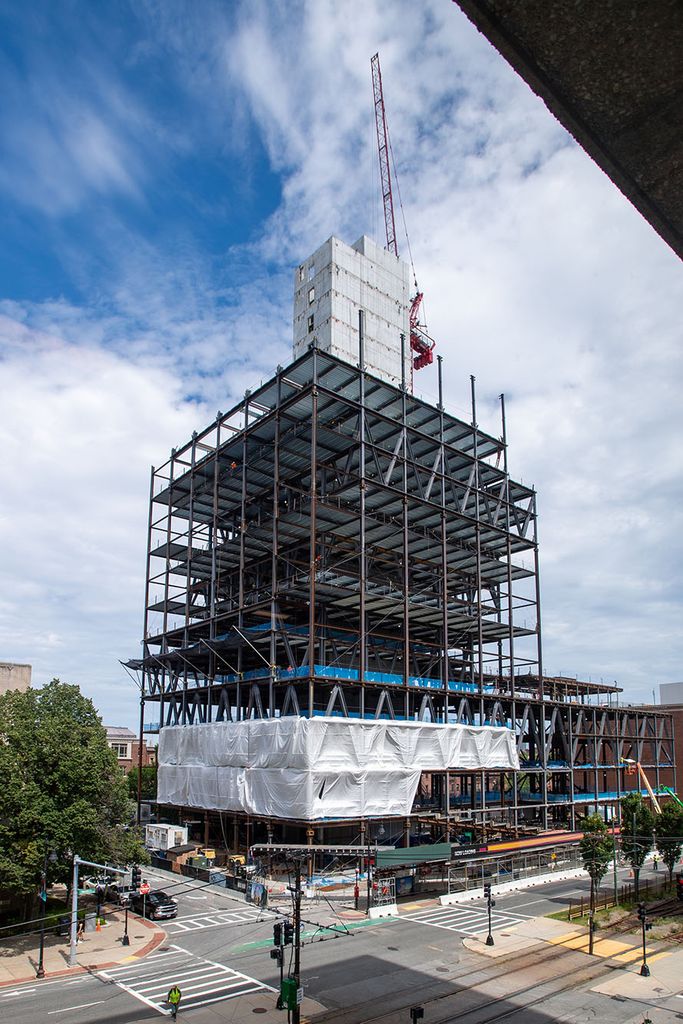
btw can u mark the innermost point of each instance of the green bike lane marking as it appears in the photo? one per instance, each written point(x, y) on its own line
point(308, 934)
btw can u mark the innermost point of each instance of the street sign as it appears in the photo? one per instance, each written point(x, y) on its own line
point(144, 888)
point(299, 996)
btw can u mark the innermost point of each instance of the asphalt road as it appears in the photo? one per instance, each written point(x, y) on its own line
point(218, 949)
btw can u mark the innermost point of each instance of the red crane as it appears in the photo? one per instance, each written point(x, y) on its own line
point(420, 342)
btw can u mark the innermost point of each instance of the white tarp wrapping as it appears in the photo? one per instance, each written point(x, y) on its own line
point(318, 768)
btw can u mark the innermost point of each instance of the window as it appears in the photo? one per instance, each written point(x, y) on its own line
point(121, 750)
point(311, 295)
point(311, 271)
point(302, 273)
point(310, 323)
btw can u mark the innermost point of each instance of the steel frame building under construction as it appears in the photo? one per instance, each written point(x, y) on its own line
point(335, 546)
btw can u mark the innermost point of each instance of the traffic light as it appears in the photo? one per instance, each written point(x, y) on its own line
point(277, 933)
point(288, 933)
point(487, 891)
point(276, 954)
point(642, 913)
point(136, 876)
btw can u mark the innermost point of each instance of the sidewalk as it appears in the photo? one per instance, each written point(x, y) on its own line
point(623, 950)
point(19, 954)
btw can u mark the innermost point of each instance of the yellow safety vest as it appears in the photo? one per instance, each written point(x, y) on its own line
point(174, 995)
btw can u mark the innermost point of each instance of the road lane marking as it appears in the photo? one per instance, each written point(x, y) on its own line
point(82, 1006)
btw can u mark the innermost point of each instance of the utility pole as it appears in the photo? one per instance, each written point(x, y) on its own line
point(73, 960)
point(73, 932)
point(296, 1012)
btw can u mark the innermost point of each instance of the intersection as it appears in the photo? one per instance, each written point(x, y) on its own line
point(217, 952)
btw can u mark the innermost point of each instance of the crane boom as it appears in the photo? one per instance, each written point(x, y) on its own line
point(420, 342)
point(384, 163)
point(635, 766)
point(648, 787)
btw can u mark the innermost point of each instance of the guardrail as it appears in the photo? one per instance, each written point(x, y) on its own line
point(648, 889)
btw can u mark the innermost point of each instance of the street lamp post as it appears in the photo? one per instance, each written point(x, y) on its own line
point(642, 914)
point(51, 857)
point(491, 904)
point(125, 941)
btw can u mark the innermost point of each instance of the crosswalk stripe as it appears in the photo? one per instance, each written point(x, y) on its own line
point(212, 919)
point(197, 977)
point(467, 920)
point(153, 983)
point(448, 916)
point(205, 1002)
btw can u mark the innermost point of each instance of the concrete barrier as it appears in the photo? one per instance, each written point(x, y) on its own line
point(388, 910)
point(520, 883)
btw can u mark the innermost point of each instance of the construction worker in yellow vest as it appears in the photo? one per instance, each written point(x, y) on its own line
point(173, 999)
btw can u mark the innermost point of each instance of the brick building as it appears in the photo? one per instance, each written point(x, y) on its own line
point(126, 745)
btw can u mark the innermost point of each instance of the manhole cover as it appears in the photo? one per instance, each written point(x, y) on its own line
point(444, 970)
point(505, 935)
point(259, 1009)
point(393, 948)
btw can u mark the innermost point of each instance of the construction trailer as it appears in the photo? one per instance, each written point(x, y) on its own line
point(335, 548)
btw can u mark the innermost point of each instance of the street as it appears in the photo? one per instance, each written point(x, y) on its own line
point(217, 953)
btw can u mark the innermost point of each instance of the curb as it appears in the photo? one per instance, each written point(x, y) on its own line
point(155, 941)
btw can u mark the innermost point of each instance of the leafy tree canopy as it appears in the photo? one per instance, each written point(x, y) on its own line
point(637, 823)
point(61, 788)
point(596, 847)
point(669, 835)
point(149, 782)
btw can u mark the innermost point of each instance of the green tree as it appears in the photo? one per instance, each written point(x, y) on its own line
point(637, 823)
point(61, 788)
point(149, 782)
point(669, 835)
point(596, 852)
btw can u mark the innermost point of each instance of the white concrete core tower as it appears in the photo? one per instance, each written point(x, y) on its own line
point(329, 289)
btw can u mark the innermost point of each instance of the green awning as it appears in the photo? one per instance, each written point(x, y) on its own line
point(406, 856)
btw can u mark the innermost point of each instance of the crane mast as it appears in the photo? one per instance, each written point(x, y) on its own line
point(420, 342)
point(384, 163)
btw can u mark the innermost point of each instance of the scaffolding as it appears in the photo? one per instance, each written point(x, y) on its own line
point(334, 545)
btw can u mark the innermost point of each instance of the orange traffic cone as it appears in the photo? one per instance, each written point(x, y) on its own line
point(98, 926)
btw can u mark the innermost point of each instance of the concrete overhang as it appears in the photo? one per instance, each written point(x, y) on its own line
point(611, 72)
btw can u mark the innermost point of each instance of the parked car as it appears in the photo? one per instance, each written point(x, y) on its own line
point(118, 891)
point(157, 905)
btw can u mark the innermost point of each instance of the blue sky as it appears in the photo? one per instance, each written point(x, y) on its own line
point(164, 166)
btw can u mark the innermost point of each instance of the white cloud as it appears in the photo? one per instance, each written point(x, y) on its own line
point(539, 278)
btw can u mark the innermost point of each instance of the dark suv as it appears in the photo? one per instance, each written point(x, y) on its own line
point(157, 905)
